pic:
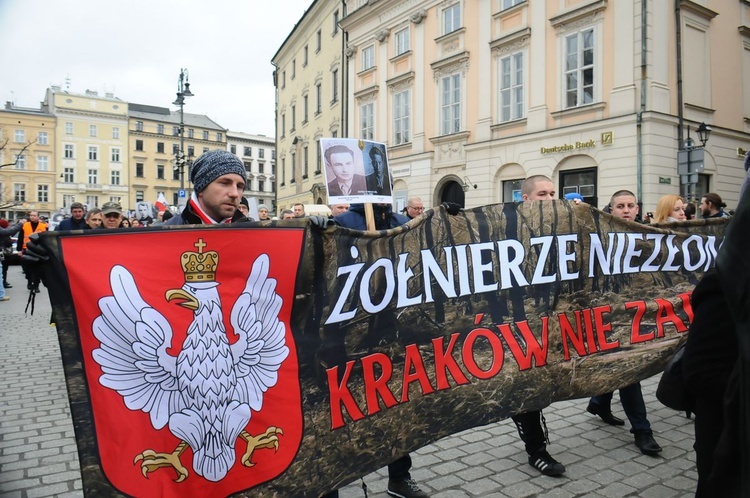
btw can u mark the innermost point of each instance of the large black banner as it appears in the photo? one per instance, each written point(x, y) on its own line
point(283, 359)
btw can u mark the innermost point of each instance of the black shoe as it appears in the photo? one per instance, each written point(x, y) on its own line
point(407, 488)
point(6, 285)
point(645, 442)
point(29, 286)
point(605, 414)
point(544, 463)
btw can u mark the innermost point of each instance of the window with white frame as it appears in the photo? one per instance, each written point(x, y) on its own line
point(68, 199)
point(450, 104)
point(92, 131)
point(42, 163)
point(93, 153)
point(69, 151)
point(92, 201)
point(205, 134)
point(68, 175)
point(42, 193)
point(335, 85)
point(318, 98)
point(20, 162)
point(139, 196)
point(579, 68)
point(451, 18)
point(510, 3)
point(176, 131)
point(366, 121)
point(335, 22)
point(42, 138)
point(191, 133)
point(160, 172)
point(19, 136)
point(116, 133)
point(219, 136)
point(368, 57)
point(294, 118)
point(115, 155)
point(402, 41)
point(68, 128)
point(261, 153)
point(19, 192)
point(93, 176)
point(294, 68)
point(304, 108)
point(114, 177)
point(511, 87)
point(401, 111)
point(160, 129)
point(139, 126)
point(304, 56)
point(305, 159)
point(318, 38)
point(283, 170)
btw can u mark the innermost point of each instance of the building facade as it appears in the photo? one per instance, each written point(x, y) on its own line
point(473, 96)
point(154, 144)
point(258, 153)
point(310, 101)
point(27, 162)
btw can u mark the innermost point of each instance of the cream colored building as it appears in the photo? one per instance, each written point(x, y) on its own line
point(258, 153)
point(27, 156)
point(472, 96)
point(154, 145)
point(310, 102)
point(91, 146)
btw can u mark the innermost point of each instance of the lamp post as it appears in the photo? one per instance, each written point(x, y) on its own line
point(690, 161)
point(183, 90)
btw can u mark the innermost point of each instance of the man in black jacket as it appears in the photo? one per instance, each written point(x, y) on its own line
point(76, 220)
point(218, 178)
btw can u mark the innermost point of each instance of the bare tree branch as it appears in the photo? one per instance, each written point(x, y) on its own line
point(31, 142)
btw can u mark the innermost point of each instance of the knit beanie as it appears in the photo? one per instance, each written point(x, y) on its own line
point(212, 165)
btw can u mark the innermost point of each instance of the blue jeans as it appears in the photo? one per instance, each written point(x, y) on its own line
point(633, 404)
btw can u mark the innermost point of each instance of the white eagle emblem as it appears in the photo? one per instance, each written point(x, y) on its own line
point(208, 392)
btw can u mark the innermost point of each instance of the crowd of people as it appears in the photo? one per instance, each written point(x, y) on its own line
point(218, 178)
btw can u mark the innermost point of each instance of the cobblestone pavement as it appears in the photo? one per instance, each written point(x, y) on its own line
point(38, 454)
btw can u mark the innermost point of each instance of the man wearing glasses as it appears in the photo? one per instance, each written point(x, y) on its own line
point(414, 207)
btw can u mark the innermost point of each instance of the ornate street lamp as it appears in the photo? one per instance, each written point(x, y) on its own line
point(183, 90)
point(703, 133)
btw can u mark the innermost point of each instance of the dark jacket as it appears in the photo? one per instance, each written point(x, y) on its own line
point(188, 217)
point(358, 187)
point(6, 234)
point(385, 218)
point(71, 224)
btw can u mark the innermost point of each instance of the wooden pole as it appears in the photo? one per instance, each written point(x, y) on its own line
point(369, 216)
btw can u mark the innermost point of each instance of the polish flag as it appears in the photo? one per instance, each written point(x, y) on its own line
point(161, 202)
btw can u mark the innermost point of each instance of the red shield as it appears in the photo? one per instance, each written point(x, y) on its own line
point(153, 258)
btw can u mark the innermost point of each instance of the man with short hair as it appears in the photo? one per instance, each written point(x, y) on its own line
point(623, 204)
point(529, 424)
point(377, 181)
point(111, 214)
point(337, 209)
point(414, 207)
point(94, 218)
point(76, 220)
point(244, 206)
point(218, 178)
point(340, 159)
point(144, 213)
point(263, 212)
point(712, 206)
point(287, 214)
point(299, 210)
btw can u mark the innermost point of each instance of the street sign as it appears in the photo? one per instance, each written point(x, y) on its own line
point(690, 161)
point(182, 193)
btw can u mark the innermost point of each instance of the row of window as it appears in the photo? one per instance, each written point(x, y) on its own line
point(93, 130)
point(247, 151)
point(92, 176)
point(42, 137)
point(305, 102)
point(579, 90)
point(139, 126)
point(305, 50)
point(304, 167)
point(20, 162)
point(92, 201)
point(19, 193)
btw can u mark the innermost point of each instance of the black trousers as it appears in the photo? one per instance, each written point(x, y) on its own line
point(530, 429)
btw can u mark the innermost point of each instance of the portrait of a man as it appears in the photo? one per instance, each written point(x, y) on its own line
point(345, 182)
point(378, 181)
point(144, 212)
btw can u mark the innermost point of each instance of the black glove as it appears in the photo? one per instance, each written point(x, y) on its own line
point(320, 221)
point(452, 207)
point(35, 252)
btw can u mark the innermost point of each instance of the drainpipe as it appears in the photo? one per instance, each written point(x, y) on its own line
point(639, 118)
point(678, 34)
point(344, 76)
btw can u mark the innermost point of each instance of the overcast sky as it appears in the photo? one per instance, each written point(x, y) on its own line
point(135, 49)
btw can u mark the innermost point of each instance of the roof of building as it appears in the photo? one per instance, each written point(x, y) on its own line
point(164, 115)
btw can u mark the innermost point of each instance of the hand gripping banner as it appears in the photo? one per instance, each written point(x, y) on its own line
point(284, 359)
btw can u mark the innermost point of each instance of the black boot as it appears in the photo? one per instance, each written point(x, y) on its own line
point(645, 442)
point(605, 414)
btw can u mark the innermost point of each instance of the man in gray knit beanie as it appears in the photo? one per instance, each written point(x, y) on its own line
point(218, 178)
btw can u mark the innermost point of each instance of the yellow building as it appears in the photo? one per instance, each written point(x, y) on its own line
point(154, 136)
point(91, 144)
point(473, 96)
point(258, 154)
point(309, 78)
point(28, 160)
